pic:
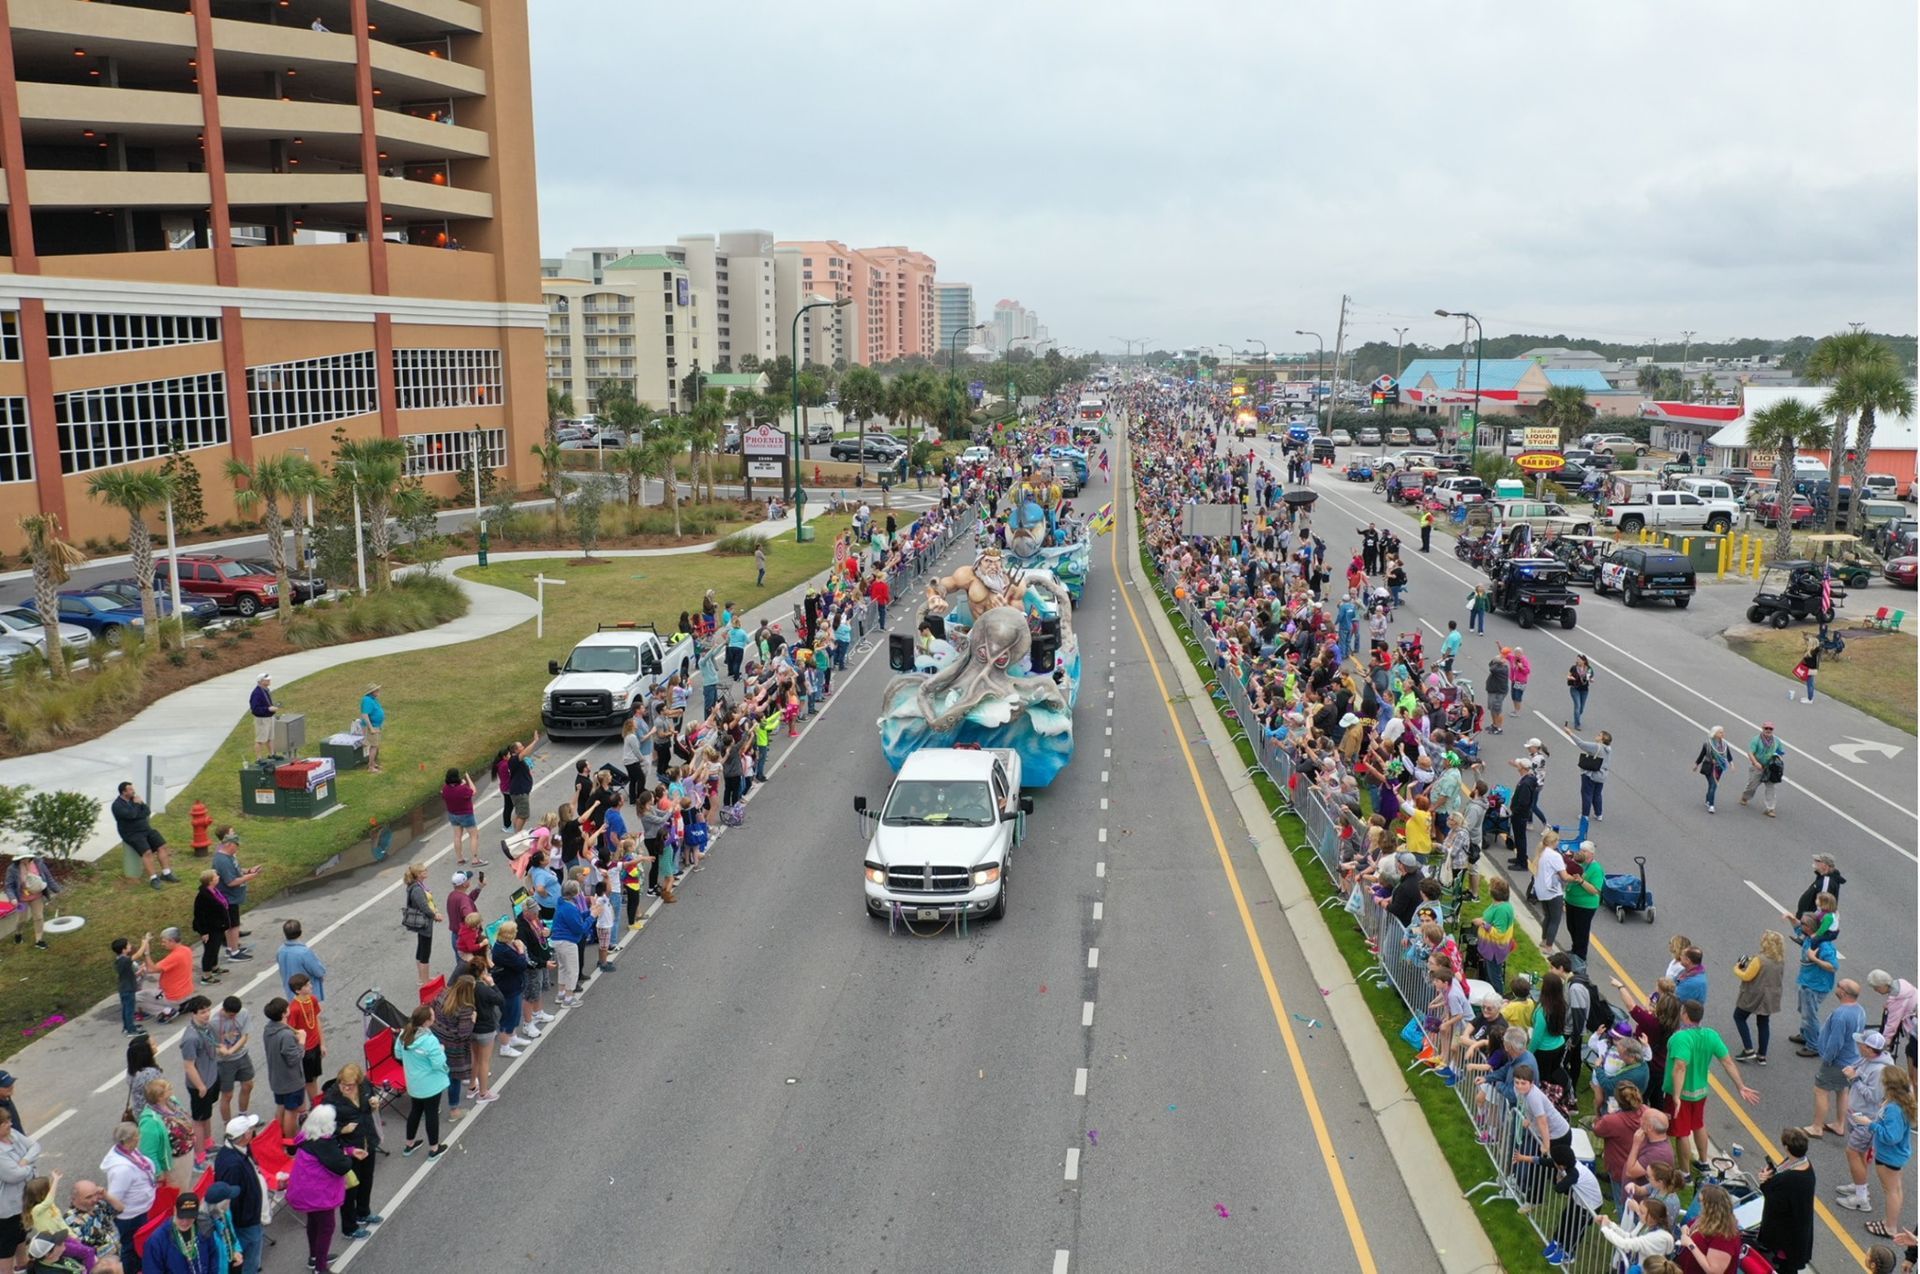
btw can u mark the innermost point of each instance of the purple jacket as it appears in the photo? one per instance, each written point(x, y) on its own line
point(318, 1182)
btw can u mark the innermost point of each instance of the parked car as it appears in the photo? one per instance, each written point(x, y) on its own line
point(1341, 438)
point(1735, 478)
point(305, 587)
point(1399, 437)
point(1368, 437)
point(1460, 489)
point(1885, 540)
point(1883, 486)
point(107, 618)
point(1618, 445)
point(1320, 449)
point(1450, 461)
point(1425, 436)
point(1578, 455)
point(1903, 572)
point(872, 447)
point(195, 608)
point(10, 650)
point(231, 583)
point(1768, 509)
point(22, 623)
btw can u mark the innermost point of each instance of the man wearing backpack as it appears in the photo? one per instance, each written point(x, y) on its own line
point(1768, 758)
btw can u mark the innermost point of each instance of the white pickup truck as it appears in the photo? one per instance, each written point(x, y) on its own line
point(942, 845)
point(595, 691)
point(1675, 510)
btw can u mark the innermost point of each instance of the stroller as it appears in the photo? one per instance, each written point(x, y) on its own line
point(386, 1078)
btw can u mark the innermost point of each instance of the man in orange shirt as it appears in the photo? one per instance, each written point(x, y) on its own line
point(175, 970)
point(303, 1015)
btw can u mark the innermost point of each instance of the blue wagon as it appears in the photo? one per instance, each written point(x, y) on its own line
point(1628, 891)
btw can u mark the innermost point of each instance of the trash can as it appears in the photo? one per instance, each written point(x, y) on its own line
point(803, 534)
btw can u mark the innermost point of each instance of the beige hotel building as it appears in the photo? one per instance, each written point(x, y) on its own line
point(244, 223)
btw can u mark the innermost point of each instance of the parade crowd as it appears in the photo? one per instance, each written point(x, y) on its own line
point(195, 1168)
point(1393, 740)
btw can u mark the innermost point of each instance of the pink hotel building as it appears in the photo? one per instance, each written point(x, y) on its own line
point(895, 305)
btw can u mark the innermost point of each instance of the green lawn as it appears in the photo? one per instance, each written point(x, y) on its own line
point(1877, 674)
point(1512, 1237)
point(453, 707)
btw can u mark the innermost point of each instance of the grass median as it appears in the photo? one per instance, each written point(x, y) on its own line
point(1877, 674)
point(451, 707)
point(1512, 1237)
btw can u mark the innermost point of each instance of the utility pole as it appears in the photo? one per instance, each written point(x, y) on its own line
point(1399, 338)
point(1686, 348)
point(1339, 344)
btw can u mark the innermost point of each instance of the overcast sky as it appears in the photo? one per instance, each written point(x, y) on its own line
point(1219, 170)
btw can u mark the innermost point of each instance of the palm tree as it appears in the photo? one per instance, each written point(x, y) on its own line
point(1565, 407)
point(634, 464)
point(377, 469)
point(1866, 391)
point(134, 492)
point(664, 444)
point(1832, 360)
point(1786, 428)
point(705, 424)
point(550, 456)
point(559, 407)
point(304, 482)
point(1648, 379)
point(860, 393)
point(51, 557)
point(267, 481)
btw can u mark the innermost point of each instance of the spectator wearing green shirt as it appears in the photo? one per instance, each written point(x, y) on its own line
point(1691, 1053)
point(1585, 877)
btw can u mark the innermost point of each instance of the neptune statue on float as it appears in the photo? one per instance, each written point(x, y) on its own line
point(1039, 538)
point(983, 689)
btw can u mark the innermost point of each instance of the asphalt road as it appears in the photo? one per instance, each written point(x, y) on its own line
point(1660, 684)
point(773, 1080)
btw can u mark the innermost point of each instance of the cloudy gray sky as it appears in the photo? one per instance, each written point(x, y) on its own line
point(1224, 169)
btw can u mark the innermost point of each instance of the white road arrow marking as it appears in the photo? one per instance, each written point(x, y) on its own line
point(1851, 751)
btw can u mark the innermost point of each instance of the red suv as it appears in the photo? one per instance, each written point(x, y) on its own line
point(232, 584)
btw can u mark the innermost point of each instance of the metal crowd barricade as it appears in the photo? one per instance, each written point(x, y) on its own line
point(1499, 1124)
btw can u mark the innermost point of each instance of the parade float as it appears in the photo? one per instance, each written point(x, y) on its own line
point(1039, 535)
point(996, 665)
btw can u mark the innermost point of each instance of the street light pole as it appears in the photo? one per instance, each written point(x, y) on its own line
point(1479, 341)
point(1318, 367)
point(1254, 340)
point(953, 373)
point(1686, 348)
point(799, 492)
point(1399, 338)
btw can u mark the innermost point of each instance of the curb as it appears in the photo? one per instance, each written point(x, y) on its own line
point(1452, 1227)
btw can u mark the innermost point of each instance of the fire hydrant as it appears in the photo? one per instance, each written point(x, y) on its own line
point(202, 822)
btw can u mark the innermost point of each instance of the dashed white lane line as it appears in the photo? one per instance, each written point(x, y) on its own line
point(1100, 870)
point(1080, 1081)
point(1109, 711)
point(1103, 802)
point(1103, 836)
point(1107, 754)
point(1099, 910)
point(1109, 732)
point(1059, 1260)
point(1104, 776)
point(1086, 1013)
point(1093, 957)
point(1073, 1163)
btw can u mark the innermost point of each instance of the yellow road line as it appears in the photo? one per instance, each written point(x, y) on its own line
point(1362, 1252)
point(1739, 1112)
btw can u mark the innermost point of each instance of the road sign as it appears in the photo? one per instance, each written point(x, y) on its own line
point(1538, 438)
point(763, 440)
point(1540, 461)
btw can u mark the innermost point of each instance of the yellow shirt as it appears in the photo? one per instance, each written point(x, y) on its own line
point(1518, 1013)
point(1419, 832)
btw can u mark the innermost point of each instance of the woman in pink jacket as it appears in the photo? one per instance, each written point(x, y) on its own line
point(1519, 671)
point(317, 1185)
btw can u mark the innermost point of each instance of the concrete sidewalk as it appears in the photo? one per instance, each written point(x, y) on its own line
point(183, 731)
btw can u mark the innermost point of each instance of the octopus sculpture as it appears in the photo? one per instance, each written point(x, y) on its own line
point(978, 686)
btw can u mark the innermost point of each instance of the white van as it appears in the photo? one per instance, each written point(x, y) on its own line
point(1709, 489)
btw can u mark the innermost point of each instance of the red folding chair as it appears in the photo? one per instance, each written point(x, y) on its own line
point(385, 1075)
point(431, 992)
point(161, 1213)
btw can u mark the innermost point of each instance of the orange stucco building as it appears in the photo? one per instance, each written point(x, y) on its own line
point(895, 304)
point(242, 225)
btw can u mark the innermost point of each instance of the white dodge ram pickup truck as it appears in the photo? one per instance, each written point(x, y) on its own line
point(595, 691)
point(942, 845)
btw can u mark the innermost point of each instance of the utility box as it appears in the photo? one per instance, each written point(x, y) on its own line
point(262, 797)
point(289, 733)
point(1702, 548)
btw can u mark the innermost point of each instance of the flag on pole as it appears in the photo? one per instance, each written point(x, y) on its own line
point(1826, 587)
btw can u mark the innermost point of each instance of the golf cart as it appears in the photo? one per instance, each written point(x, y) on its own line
point(1842, 553)
point(1790, 591)
point(1534, 590)
point(1582, 555)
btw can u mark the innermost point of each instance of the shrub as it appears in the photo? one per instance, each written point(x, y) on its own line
point(58, 823)
point(413, 603)
point(35, 710)
point(739, 544)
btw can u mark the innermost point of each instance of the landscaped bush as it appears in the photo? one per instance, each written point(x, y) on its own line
point(36, 711)
point(413, 603)
point(739, 544)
